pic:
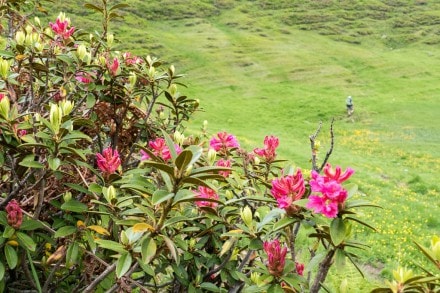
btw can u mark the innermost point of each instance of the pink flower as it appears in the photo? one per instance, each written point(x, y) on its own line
point(224, 163)
point(15, 214)
point(83, 77)
point(223, 142)
point(130, 60)
point(336, 174)
point(332, 194)
point(109, 161)
point(113, 67)
point(160, 149)
point(288, 189)
point(2, 95)
point(268, 152)
point(61, 28)
point(205, 192)
point(276, 257)
point(21, 132)
point(299, 268)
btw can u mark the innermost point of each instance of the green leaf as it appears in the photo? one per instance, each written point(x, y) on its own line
point(54, 163)
point(337, 231)
point(183, 160)
point(34, 272)
point(119, 6)
point(76, 135)
point(93, 7)
point(170, 144)
point(73, 151)
point(427, 252)
point(65, 231)
point(270, 217)
point(361, 222)
point(9, 231)
point(2, 270)
point(172, 248)
point(123, 264)
point(339, 259)
point(168, 169)
point(26, 241)
point(283, 223)
point(74, 206)
point(111, 245)
point(11, 256)
point(72, 254)
point(175, 220)
point(275, 288)
point(31, 164)
point(209, 287)
point(160, 196)
point(149, 249)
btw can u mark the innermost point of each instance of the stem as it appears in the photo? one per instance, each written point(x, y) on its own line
point(332, 142)
point(324, 267)
point(312, 145)
point(101, 277)
point(292, 237)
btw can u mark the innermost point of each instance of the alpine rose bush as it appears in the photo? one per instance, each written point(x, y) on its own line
point(103, 192)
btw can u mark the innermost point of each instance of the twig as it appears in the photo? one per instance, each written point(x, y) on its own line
point(324, 267)
point(52, 273)
point(329, 152)
point(221, 266)
point(84, 180)
point(312, 145)
point(101, 277)
point(16, 190)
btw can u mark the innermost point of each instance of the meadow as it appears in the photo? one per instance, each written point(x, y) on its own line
point(262, 68)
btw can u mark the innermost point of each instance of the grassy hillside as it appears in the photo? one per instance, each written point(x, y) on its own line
point(279, 67)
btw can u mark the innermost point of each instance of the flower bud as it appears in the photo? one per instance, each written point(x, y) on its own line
point(132, 78)
point(435, 247)
point(124, 238)
point(172, 70)
point(67, 196)
point(179, 137)
point(4, 107)
point(55, 117)
point(257, 160)
point(14, 214)
point(229, 194)
point(4, 68)
point(39, 47)
point(172, 90)
point(212, 155)
point(37, 21)
point(20, 37)
point(188, 170)
point(109, 193)
point(110, 39)
point(81, 52)
point(246, 216)
point(66, 106)
point(28, 29)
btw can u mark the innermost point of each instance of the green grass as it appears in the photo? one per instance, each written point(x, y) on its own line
point(277, 67)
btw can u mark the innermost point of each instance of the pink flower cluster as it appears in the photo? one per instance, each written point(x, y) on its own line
point(130, 59)
point(268, 152)
point(223, 142)
point(224, 163)
point(109, 161)
point(83, 77)
point(113, 66)
point(160, 149)
point(276, 257)
point(332, 194)
point(288, 189)
point(206, 192)
point(15, 214)
point(61, 28)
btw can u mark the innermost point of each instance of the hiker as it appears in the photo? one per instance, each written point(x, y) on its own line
point(350, 106)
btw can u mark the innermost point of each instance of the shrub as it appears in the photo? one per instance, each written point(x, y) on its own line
point(103, 191)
